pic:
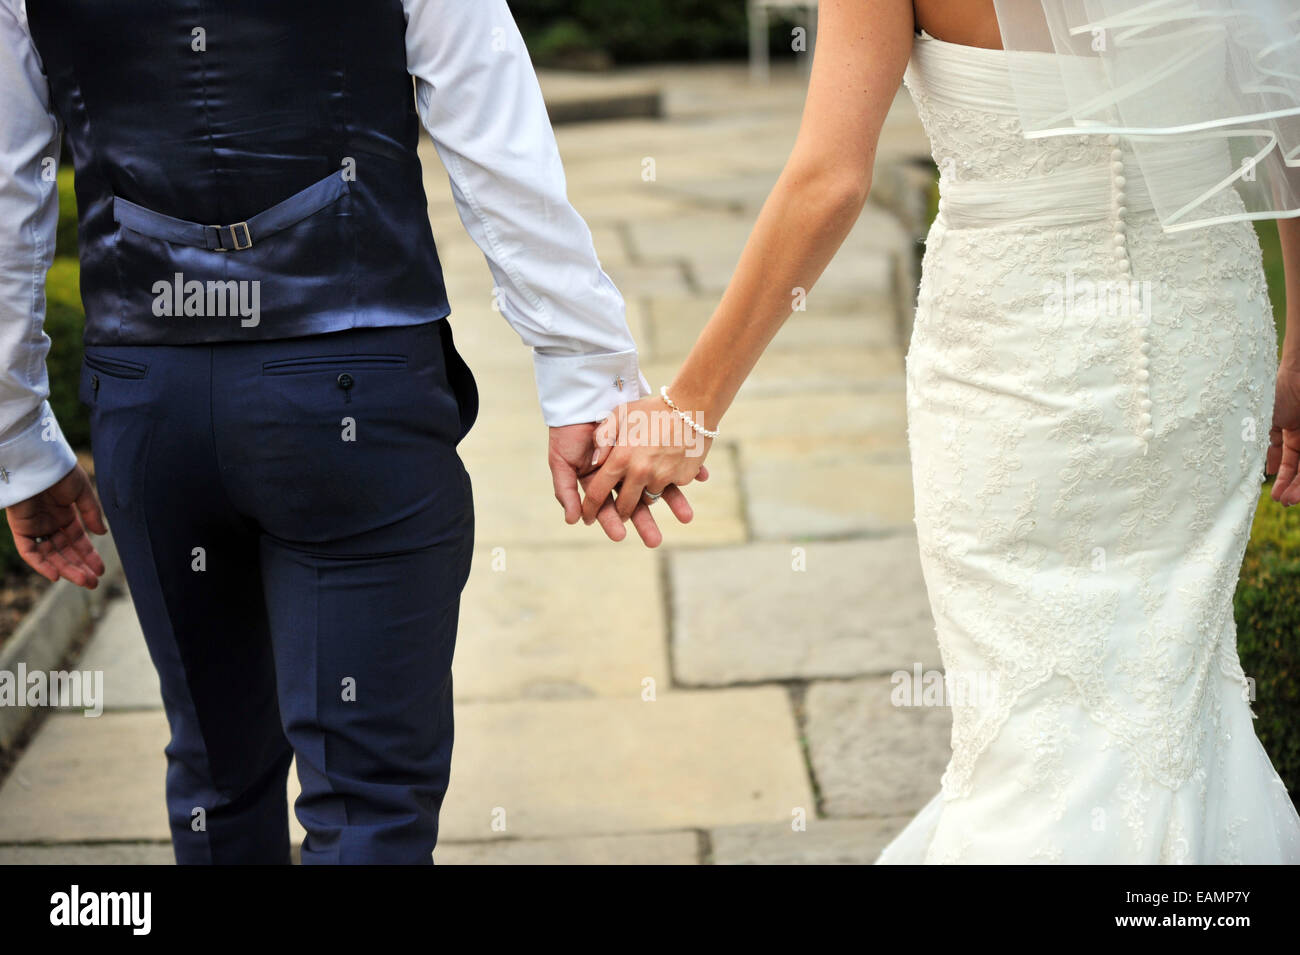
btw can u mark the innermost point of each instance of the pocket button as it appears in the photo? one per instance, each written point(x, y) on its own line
point(345, 381)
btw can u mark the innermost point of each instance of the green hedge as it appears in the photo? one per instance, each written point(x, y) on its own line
point(633, 31)
point(1268, 624)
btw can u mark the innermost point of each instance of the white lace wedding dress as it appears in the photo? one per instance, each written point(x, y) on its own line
point(1087, 463)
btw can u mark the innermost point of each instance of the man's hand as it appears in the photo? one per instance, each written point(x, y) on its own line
point(572, 451)
point(59, 513)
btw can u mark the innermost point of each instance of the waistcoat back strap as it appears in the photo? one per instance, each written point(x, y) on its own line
point(240, 235)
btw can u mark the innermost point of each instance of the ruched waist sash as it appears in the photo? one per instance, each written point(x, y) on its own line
point(1075, 194)
point(1071, 197)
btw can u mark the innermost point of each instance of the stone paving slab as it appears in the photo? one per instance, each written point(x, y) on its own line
point(685, 140)
point(674, 323)
point(510, 428)
point(824, 842)
point(744, 615)
point(641, 279)
point(123, 853)
point(652, 169)
point(705, 237)
point(609, 245)
point(547, 624)
point(615, 205)
point(699, 238)
point(842, 369)
point(797, 488)
point(89, 780)
point(745, 191)
point(591, 143)
point(608, 766)
point(97, 781)
point(846, 370)
point(872, 421)
point(557, 768)
point(872, 758)
point(670, 848)
point(861, 267)
point(119, 650)
point(482, 334)
point(867, 275)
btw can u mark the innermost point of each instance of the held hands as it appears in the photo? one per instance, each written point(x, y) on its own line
point(571, 459)
point(50, 530)
point(631, 452)
point(1284, 450)
point(645, 450)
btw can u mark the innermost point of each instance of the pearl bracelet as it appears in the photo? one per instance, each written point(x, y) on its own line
point(698, 429)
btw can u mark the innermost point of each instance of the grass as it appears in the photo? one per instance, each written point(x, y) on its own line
point(1271, 246)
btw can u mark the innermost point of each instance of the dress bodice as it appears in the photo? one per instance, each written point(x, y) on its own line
point(965, 100)
point(990, 173)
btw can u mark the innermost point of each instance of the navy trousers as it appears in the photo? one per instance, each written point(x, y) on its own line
point(296, 529)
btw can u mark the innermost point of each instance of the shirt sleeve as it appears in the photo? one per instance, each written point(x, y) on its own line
point(34, 454)
point(478, 96)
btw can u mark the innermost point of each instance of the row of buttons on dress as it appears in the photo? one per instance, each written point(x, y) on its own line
point(1118, 183)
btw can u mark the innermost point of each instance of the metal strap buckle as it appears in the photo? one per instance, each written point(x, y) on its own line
point(235, 245)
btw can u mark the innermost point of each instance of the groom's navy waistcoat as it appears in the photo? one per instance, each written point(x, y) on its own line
point(244, 169)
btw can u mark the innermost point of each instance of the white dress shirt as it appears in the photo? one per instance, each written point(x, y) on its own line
point(478, 97)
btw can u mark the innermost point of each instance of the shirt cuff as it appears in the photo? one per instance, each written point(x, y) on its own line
point(35, 460)
point(581, 389)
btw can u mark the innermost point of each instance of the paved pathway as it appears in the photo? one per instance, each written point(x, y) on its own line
point(617, 705)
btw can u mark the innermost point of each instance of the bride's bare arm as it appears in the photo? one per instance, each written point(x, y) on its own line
point(1284, 455)
point(862, 50)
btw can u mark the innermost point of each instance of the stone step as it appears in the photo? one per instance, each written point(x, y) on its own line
point(590, 97)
